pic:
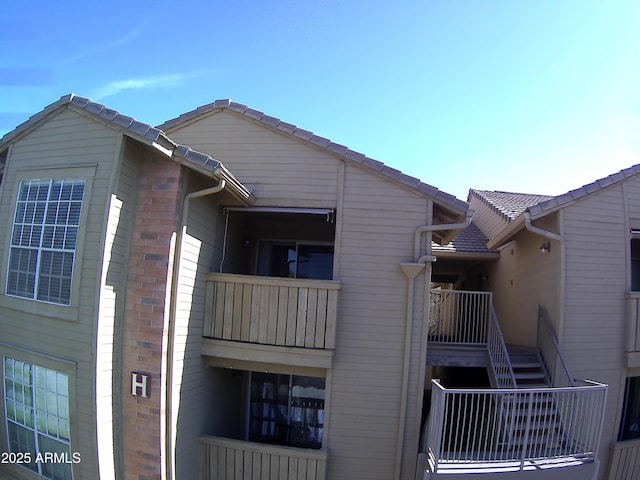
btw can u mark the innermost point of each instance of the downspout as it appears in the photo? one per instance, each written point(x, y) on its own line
point(559, 238)
point(411, 270)
point(169, 461)
point(529, 226)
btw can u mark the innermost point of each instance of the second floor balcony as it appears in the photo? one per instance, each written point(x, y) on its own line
point(253, 317)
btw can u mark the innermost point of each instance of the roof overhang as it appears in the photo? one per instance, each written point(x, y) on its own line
point(506, 235)
point(478, 256)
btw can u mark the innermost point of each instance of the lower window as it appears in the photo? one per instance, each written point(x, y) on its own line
point(630, 423)
point(287, 410)
point(37, 411)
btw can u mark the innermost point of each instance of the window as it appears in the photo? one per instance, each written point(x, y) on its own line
point(37, 414)
point(43, 240)
point(635, 261)
point(287, 410)
point(630, 422)
point(295, 260)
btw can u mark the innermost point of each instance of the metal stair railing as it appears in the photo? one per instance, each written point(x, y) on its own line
point(551, 355)
point(498, 353)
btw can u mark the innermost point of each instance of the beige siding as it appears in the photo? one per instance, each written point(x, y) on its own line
point(596, 243)
point(486, 218)
point(378, 222)
point(197, 389)
point(111, 308)
point(66, 140)
point(279, 170)
point(378, 226)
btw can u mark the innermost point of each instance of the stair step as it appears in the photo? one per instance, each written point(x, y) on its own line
point(528, 375)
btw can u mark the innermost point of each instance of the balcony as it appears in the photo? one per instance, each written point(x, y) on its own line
point(284, 320)
point(223, 458)
point(499, 431)
point(632, 345)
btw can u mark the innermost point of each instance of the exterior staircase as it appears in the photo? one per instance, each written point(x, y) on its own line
point(532, 420)
point(528, 368)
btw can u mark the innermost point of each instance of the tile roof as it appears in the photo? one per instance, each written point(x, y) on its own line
point(441, 197)
point(554, 203)
point(509, 204)
point(137, 130)
point(469, 240)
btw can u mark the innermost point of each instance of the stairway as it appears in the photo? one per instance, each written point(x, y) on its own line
point(527, 367)
point(531, 420)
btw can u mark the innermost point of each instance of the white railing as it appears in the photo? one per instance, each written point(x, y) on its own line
point(226, 458)
point(288, 312)
point(554, 362)
point(466, 317)
point(458, 316)
point(498, 354)
point(513, 426)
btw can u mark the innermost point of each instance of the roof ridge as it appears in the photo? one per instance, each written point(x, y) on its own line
point(194, 159)
point(561, 200)
point(508, 205)
point(323, 142)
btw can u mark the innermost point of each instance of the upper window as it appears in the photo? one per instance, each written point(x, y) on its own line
point(43, 239)
point(296, 260)
point(635, 261)
point(37, 414)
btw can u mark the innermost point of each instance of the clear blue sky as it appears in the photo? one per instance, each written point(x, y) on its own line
point(530, 96)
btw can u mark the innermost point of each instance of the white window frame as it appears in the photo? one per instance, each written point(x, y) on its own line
point(63, 403)
point(42, 228)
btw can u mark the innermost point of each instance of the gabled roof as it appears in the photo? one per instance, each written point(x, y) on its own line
point(509, 205)
point(468, 240)
point(553, 204)
point(139, 131)
point(446, 200)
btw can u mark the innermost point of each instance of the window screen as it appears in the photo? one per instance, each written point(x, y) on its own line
point(43, 240)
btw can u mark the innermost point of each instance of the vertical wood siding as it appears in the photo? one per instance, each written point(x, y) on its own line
point(226, 459)
point(625, 461)
point(271, 311)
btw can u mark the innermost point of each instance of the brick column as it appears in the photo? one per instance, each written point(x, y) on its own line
point(156, 221)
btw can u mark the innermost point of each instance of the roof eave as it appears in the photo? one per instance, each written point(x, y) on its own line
point(455, 207)
point(466, 255)
point(507, 234)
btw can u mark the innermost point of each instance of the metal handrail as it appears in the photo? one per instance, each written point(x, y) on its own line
point(468, 317)
point(512, 426)
point(549, 348)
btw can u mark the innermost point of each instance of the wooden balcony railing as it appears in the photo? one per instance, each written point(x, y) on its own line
point(633, 322)
point(225, 458)
point(287, 312)
point(632, 330)
point(624, 463)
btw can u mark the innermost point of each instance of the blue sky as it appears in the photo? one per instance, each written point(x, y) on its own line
point(530, 96)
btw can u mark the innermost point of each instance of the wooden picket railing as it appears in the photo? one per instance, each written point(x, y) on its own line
point(226, 459)
point(288, 312)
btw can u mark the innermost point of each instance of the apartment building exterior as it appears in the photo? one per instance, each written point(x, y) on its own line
point(226, 294)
